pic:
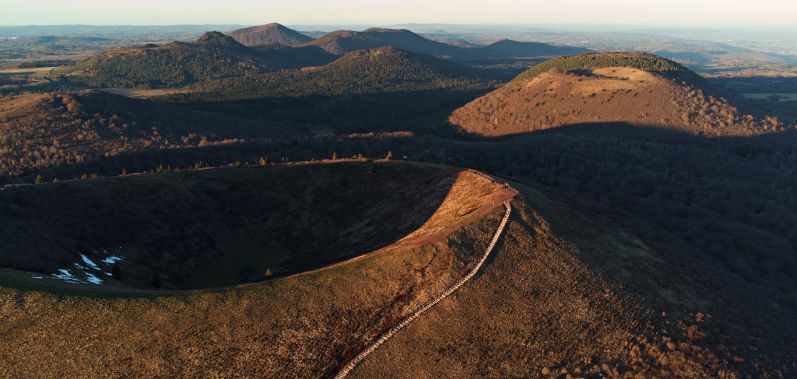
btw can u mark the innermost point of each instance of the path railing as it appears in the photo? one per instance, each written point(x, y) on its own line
point(360, 357)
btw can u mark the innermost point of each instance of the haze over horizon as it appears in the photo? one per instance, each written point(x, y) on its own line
point(709, 13)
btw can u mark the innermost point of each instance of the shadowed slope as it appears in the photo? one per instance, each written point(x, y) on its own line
point(220, 227)
point(59, 129)
point(345, 41)
point(541, 302)
point(381, 70)
point(515, 49)
point(212, 56)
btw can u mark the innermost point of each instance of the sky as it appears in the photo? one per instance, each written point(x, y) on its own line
point(704, 13)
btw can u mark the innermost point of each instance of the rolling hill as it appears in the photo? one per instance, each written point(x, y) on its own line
point(564, 293)
point(212, 56)
point(54, 129)
point(380, 70)
point(513, 49)
point(268, 48)
point(346, 41)
point(210, 235)
point(269, 34)
point(226, 240)
point(633, 88)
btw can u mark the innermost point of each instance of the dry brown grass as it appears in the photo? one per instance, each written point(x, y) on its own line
point(537, 305)
point(559, 296)
point(540, 308)
point(143, 93)
point(606, 95)
point(304, 325)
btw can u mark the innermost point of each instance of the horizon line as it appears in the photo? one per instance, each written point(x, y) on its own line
point(497, 24)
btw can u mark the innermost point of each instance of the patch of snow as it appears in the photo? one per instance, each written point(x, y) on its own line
point(84, 269)
point(89, 262)
point(65, 275)
point(112, 259)
point(37, 277)
point(93, 279)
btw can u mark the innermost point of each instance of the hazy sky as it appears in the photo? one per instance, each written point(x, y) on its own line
point(385, 12)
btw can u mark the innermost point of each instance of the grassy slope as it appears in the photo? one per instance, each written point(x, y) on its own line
point(549, 299)
point(304, 325)
point(636, 89)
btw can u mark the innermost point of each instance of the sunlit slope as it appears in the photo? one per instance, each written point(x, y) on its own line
point(269, 34)
point(299, 325)
point(629, 88)
point(562, 293)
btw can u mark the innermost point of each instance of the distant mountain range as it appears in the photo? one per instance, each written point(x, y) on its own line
point(513, 49)
point(212, 56)
point(341, 42)
point(346, 41)
point(269, 48)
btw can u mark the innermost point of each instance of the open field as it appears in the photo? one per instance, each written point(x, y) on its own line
point(37, 71)
point(145, 92)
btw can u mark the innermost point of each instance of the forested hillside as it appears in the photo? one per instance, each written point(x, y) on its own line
point(378, 70)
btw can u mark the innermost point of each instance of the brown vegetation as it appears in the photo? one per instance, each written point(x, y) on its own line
point(543, 304)
point(604, 95)
point(45, 130)
point(269, 34)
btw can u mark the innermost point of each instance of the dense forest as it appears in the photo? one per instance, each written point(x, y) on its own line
point(379, 70)
point(212, 56)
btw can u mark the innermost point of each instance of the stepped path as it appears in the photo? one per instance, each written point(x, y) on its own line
point(359, 358)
